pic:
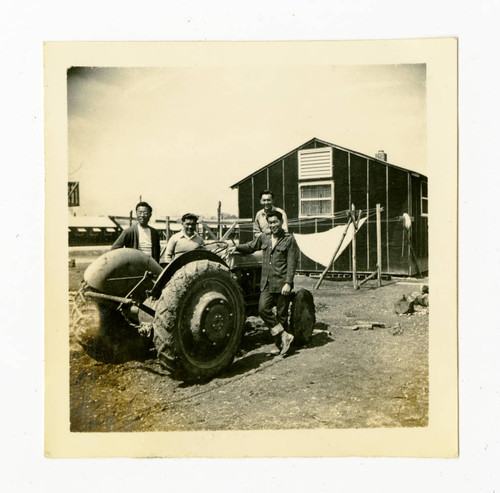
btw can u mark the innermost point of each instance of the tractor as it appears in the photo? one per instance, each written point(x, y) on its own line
point(192, 311)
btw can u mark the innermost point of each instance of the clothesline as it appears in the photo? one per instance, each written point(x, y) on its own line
point(322, 221)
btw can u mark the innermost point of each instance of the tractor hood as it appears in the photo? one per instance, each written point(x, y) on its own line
point(118, 271)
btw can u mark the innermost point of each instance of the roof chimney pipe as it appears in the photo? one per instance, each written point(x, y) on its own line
point(381, 155)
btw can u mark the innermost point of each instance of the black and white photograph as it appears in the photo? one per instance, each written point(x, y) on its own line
point(248, 243)
point(250, 246)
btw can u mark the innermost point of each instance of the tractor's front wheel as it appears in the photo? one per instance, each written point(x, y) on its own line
point(199, 320)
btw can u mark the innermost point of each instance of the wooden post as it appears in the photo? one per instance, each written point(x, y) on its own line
point(316, 286)
point(371, 276)
point(333, 225)
point(419, 274)
point(167, 228)
point(315, 231)
point(219, 225)
point(379, 246)
point(209, 231)
point(130, 219)
point(300, 253)
point(354, 266)
point(229, 231)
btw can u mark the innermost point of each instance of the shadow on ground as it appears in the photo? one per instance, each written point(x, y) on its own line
point(317, 340)
point(254, 339)
point(246, 364)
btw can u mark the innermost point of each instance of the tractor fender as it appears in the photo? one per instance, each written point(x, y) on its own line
point(179, 262)
point(117, 272)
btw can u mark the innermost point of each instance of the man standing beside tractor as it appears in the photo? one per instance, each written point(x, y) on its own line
point(141, 236)
point(279, 262)
point(186, 240)
point(261, 223)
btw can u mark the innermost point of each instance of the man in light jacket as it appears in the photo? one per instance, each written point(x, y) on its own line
point(185, 240)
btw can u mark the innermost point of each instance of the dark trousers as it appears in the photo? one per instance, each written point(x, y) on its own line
point(269, 300)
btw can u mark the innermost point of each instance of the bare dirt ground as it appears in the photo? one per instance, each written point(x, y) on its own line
point(343, 378)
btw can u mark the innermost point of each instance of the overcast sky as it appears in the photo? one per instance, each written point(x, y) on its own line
point(180, 137)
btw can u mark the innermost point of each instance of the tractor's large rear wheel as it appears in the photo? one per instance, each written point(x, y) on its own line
point(303, 316)
point(199, 320)
point(104, 333)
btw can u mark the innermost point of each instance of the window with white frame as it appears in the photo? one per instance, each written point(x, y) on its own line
point(315, 163)
point(316, 198)
point(424, 200)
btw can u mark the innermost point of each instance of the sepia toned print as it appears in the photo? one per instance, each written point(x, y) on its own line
point(192, 155)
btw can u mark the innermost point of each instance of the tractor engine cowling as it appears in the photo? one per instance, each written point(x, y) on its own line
point(117, 272)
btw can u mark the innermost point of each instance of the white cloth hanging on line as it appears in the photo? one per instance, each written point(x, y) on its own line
point(320, 247)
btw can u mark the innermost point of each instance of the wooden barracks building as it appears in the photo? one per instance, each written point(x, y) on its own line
point(317, 181)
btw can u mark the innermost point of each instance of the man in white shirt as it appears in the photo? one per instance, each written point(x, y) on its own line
point(141, 236)
point(186, 240)
point(261, 223)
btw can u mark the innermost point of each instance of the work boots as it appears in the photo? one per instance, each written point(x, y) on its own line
point(286, 340)
point(282, 339)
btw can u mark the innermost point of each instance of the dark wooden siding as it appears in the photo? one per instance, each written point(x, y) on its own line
point(276, 183)
point(396, 245)
point(420, 225)
point(291, 186)
point(245, 209)
point(312, 145)
point(358, 181)
point(359, 177)
point(341, 200)
point(259, 184)
point(245, 200)
point(341, 180)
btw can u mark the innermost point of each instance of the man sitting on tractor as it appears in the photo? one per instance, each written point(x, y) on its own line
point(279, 262)
point(186, 240)
point(141, 236)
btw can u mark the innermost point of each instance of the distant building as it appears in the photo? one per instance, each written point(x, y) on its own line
point(92, 230)
point(318, 179)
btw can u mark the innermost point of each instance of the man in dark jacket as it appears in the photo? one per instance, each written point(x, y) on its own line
point(141, 236)
point(279, 261)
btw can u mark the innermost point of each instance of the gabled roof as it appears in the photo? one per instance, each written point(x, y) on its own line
point(325, 143)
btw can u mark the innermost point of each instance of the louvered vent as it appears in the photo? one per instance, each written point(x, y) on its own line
point(315, 163)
